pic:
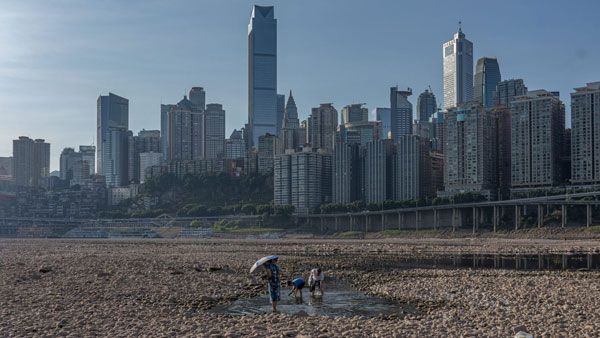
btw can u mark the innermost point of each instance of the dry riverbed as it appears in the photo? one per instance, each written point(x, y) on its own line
point(164, 287)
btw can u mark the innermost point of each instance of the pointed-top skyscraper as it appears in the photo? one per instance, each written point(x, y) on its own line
point(262, 73)
point(290, 115)
point(292, 135)
point(458, 70)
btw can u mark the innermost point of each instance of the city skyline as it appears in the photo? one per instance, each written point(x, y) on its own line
point(33, 66)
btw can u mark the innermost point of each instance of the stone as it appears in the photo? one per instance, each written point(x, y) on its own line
point(45, 269)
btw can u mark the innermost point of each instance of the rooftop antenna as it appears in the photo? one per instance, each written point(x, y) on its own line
point(460, 26)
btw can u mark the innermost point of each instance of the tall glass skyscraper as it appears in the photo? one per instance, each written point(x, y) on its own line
point(426, 106)
point(401, 112)
point(112, 125)
point(487, 77)
point(262, 73)
point(458, 70)
point(383, 115)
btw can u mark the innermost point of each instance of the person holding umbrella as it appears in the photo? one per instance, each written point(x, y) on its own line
point(272, 278)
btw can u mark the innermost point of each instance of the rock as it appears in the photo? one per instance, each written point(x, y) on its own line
point(213, 269)
point(301, 313)
point(45, 269)
point(519, 329)
point(176, 272)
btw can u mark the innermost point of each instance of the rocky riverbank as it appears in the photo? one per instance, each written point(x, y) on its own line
point(160, 288)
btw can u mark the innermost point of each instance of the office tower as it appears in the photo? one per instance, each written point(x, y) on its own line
point(487, 77)
point(262, 73)
point(347, 178)
point(112, 113)
point(76, 167)
point(198, 98)
point(585, 134)
point(507, 90)
point(306, 125)
point(6, 166)
point(413, 168)
point(437, 131)
point(214, 131)
point(67, 158)
point(292, 136)
point(116, 157)
point(469, 153)
point(437, 172)
point(266, 151)
point(185, 132)
point(148, 160)
point(307, 182)
point(323, 125)
point(426, 106)
point(145, 141)
point(378, 170)
point(401, 112)
point(360, 132)
point(280, 112)
point(354, 113)
point(31, 161)
point(88, 155)
point(383, 115)
point(538, 125)
point(164, 130)
point(503, 144)
point(458, 70)
point(235, 147)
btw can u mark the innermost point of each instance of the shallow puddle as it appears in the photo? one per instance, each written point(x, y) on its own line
point(339, 299)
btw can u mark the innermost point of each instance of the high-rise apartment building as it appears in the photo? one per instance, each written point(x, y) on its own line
point(146, 141)
point(148, 160)
point(323, 126)
point(538, 124)
point(469, 153)
point(31, 161)
point(214, 131)
point(116, 157)
point(280, 112)
point(235, 147)
point(197, 97)
point(262, 73)
point(164, 130)
point(503, 144)
point(6, 166)
point(585, 134)
point(508, 90)
point(112, 114)
point(413, 168)
point(185, 132)
point(267, 145)
point(487, 77)
point(426, 105)
point(347, 177)
point(458, 70)
point(437, 172)
point(401, 112)
point(303, 179)
point(383, 115)
point(354, 113)
point(378, 171)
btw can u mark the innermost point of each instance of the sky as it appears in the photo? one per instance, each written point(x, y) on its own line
point(58, 56)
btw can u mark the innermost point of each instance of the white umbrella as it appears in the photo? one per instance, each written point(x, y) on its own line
point(261, 262)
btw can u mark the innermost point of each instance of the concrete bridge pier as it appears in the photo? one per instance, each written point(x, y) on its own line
point(588, 214)
point(517, 217)
point(563, 214)
point(540, 216)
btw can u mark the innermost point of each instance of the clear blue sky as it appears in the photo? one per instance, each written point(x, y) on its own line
point(56, 57)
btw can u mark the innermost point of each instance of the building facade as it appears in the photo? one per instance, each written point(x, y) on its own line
point(537, 124)
point(292, 135)
point(458, 70)
point(235, 147)
point(378, 171)
point(469, 154)
point(148, 160)
point(197, 97)
point(401, 112)
point(347, 174)
point(426, 106)
point(164, 130)
point(508, 90)
point(185, 132)
point(266, 151)
point(354, 113)
point(112, 114)
point(214, 132)
point(487, 77)
point(280, 112)
point(31, 161)
point(145, 141)
point(383, 115)
point(262, 73)
point(323, 121)
point(585, 135)
point(413, 168)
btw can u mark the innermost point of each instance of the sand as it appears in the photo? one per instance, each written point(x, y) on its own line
point(164, 287)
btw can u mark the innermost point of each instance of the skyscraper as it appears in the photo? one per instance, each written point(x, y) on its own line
point(383, 115)
point(280, 112)
point(292, 136)
point(164, 130)
point(214, 131)
point(378, 171)
point(538, 125)
point(487, 77)
point(426, 105)
point(262, 73)
point(469, 154)
point(507, 90)
point(235, 147)
point(185, 132)
point(585, 144)
point(112, 114)
point(354, 113)
point(323, 125)
point(31, 161)
point(401, 112)
point(116, 156)
point(413, 168)
point(458, 70)
point(347, 184)
point(147, 141)
point(198, 98)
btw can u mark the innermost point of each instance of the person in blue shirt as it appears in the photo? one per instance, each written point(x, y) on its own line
point(298, 285)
